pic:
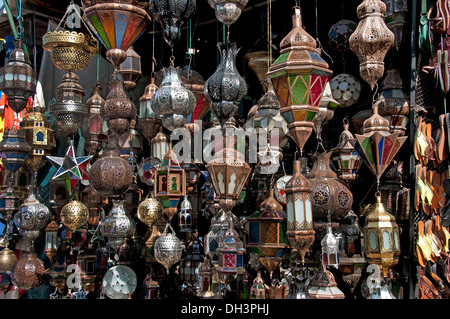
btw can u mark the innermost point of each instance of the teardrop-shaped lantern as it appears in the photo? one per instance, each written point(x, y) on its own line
point(168, 248)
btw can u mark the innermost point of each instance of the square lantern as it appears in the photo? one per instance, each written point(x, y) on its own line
point(9, 203)
point(170, 183)
point(231, 253)
point(51, 240)
point(130, 69)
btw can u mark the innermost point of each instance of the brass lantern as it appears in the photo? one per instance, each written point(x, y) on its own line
point(150, 210)
point(371, 40)
point(170, 184)
point(299, 76)
point(395, 19)
point(51, 240)
point(160, 146)
point(8, 259)
point(130, 69)
point(381, 238)
point(228, 11)
point(300, 230)
point(74, 215)
point(147, 121)
point(18, 78)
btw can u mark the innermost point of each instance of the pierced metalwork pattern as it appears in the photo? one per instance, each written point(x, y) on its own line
point(28, 272)
point(168, 250)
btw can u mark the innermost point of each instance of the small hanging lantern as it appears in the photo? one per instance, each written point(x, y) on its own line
point(94, 104)
point(147, 122)
point(258, 289)
point(371, 40)
point(339, 34)
point(324, 286)
point(170, 183)
point(94, 202)
point(9, 203)
point(8, 259)
point(185, 216)
point(18, 78)
point(330, 249)
point(168, 248)
point(381, 238)
point(150, 210)
point(345, 89)
point(28, 272)
point(150, 287)
point(51, 240)
point(231, 253)
point(299, 76)
point(228, 11)
point(130, 69)
point(395, 17)
point(74, 215)
point(190, 264)
point(219, 224)
point(300, 230)
point(160, 146)
point(259, 62)
point(14, 149)
point(205, 279)
point(353, 236)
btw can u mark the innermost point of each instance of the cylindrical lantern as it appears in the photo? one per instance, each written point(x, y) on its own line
point(95, 103)
point(147, 122)
point(51, 240)
point(231, 253)
point(185, 216)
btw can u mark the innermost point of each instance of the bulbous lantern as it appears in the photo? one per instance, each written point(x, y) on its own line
point(8, 259)
point(18, 78)
point(228, 11)
point(299, 77)
point(346, 89)
point(168, 248)
point(117, 225)
point(371, 40)
point(381, 238)
point(339, 34)
point(150, 211)
point(300, 230)
point(74, 215)
point(28, 272)
point(147, 121)
point(173, 102)
point(225, 89)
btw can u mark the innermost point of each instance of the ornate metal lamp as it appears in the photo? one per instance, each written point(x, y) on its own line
point(51, 240)
point(299, 76)
point(74, 215)
point(18, 78)
point(160, 146)
point(147, 122)
point(330, 249)
point(130, 69)
point(168, 248)
point(94, 104)
point(8, 259)
point(227, 11)
point(346, 89)
point(190, 264)
point(258, 62)
point(9, 203)
point(327, 106)
point(28, 272)
point(14, 149)
point(395, 195)
point(185, 216)
point(371, 40)
point(395, 19)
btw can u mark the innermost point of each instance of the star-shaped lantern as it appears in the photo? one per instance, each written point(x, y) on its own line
point(70, 168)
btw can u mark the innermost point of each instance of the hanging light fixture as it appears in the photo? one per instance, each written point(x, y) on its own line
point(51, 240)
point(168, 248)
point(228, 11)
point(74, 214)
point(299, 77)
point(9, 203)
point(345, 89)
point(189, 268)
point(8, 259)
point(258, 289)
point(94, 104)
point(339, 34)
point(395, 17)
point(14, 149)
point(330, 249)
point(160, 146)
point(130, 69)
point(327, 106)
point(371, 40)
point(259, 62)
point(28, 272)
point(149, 124)
point(231, 253)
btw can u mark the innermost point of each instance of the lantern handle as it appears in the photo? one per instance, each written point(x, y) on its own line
point(375, 94)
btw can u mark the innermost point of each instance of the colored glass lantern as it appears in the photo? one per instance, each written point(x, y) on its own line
point(14, 149)
point(9, 203)
point(170, 183)
point(299, 76)
point(371, 40)
point(130, 69)
point(228, 11)
point(150, 288)
point(94, 104)
point(185, 215)
point(51, 240)
point(219, 224)
point(324, 286)
point(205, 279)
point(327, 106)
point(381, 238)
point(231, 253)
point(339, 34)
point(345, 159)
point(258, 289)
point(189, 268)
point(18, 78)
point(168, 248)
point(345, 89)
point(300, 230)
point(330, 249)
point(147, 122)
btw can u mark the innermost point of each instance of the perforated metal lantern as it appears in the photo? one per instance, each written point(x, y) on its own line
point(74, 215)
point(228, 11)
point(168, 248)
point(130, 69)
point(18, 78)
point(14, 149)
point(28, 271)
point(8, 259)
point(371, 40)
point(259, 62)
point(395, 17)
point(299, 76)
point(150, 211)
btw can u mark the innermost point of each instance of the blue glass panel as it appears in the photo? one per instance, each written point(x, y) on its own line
point(239, 261)
point(121, 26)
point(254, 232)
point(40, 136)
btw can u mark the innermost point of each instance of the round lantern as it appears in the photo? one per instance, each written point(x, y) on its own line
point(28, 272)
point(18, 78)
point(339, 34)
point(8, 259)
point(147, 121)
point(371, 40)
point(225, 89)
point(74, 214)
point(119, 282)
point(173, 102)
point(299, 76)
point(168, 248)
point(14, 149)
point(150, 211)
point(130, 69)
point(345, 89)
point(228, 11)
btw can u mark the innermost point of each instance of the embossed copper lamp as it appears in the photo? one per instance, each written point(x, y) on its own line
point(299, 76)
point(371, 40)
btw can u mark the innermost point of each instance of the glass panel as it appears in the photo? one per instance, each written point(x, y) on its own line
point(386, 241)
point(373, 241)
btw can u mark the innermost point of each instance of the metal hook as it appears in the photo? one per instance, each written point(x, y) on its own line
point(375, 94)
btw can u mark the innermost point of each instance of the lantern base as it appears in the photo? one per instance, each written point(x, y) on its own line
point(301, 240)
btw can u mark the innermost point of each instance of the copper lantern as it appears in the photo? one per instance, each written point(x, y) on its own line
point(94, 104)
point(130, 69)
point(371, 40)
point(147, 121)
point(299, 76)
point(29, 271)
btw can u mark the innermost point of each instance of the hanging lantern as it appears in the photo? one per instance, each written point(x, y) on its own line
point(345, 160)
point(74, 215)
point(195, 83)
point(299, 76)
point(148, 123)
point(329, 195)
point(9, 203)
point(339, 34)
point(94, 104)
point(327, 106)
point(258, 289)
point(228, 11)
point(8, 259)
point(259, 62)
point(381, 238)
point(172, 16)
point(371, 40)
point(170, 184)
point(330, 249)
point(323, 286)
point(150, 211)
point(225, 89)
point(117, 225)
point(147, 170)
point(93, 201)
point(219, 224)
point(228, 172)
point(28, 272)
point(377, 147)
point(190, 264)
point(205, 280)
point(353, 236)
point(119, 282)
point(14, 149)
point(51, 240)
point(185, 216)
point(393, 102)
point(345, 89)
point(160, 146)
point(300, 230)
point(150, 288)
point(395, 196)
point(168, 248)
point(18, 78)
point(231, 253)
point(173, 102)
point(130, 69)
point(395, 19)
point(279, 189)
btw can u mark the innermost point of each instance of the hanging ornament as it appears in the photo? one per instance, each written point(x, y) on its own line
point(330, 249)
point(18, 78)
point(130, 69)
point(94, 104)
point(219, 224)
point(225, 89)
point(28, 272)
point(324, 286)
point(299, 77)
point(339, 34)
point(74, 215)
point(168, 248)
point(395, 17)
point(172, 103)
point(119, 282)
point(14, 149)
point(371, 40)
point(172, 15)
point(228, 11)
point(300, 230)
point(393, 102)
point(189, 267)
point(345, 89)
